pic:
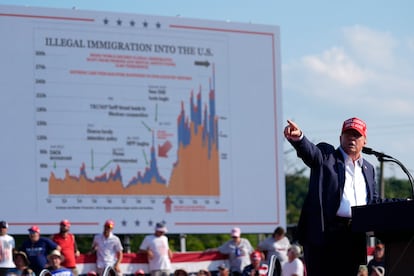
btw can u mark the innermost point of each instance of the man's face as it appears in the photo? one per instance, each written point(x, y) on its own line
point(159, 233)
point(107, 230)
point(255, 262)
point(379, 252)
point(278, 237)
point(34, 236)
point(64, 228)
point(352, 142)
point(3, 231)
point(55, 261)
point(19, 260)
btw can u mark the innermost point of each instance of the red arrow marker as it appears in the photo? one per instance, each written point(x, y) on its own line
point(163, 150)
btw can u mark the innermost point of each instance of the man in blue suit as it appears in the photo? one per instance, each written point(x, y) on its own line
point(340, 178)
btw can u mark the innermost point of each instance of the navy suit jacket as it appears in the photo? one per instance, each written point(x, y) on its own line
point(326, 185)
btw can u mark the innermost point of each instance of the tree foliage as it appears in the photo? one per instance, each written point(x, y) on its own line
point(296, 189)
point(397, 188)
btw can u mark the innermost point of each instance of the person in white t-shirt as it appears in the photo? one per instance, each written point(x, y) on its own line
point(158, 251)
point(108, 249)
point(7, 245)
point(278, 245)
point(294, 265)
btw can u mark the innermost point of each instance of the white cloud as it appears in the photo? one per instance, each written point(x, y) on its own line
point(353, 75)
point(369, 75)
point(371, 47)
point(335, 64)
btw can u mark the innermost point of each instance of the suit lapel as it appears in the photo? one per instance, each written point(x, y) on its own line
point(340, 163)
point(367, 175)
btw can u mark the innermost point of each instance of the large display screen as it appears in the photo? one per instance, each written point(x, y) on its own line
point(139, 119)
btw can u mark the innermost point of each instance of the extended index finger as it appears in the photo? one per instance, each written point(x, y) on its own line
point(292, 124)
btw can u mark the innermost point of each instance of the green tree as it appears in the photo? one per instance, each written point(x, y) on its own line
point(296, 189)
point(397, 188)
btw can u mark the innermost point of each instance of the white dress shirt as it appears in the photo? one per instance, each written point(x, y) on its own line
point(355, 189)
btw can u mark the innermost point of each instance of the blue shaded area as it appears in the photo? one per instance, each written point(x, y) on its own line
point(199, 119)
point(151, 172)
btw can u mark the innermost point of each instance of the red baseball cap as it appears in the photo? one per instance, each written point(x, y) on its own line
point(355, 124)
point(110, 223)
point(65, 222)
point(256, 255)
point(33, 229)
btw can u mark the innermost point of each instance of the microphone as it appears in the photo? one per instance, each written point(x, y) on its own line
point(383, 157)
point(367, 150)
point(370, 151)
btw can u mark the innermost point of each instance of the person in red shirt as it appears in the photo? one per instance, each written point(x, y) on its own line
point(67, 243)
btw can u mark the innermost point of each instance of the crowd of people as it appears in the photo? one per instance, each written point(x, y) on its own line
point(56, 255)
point(42, 256)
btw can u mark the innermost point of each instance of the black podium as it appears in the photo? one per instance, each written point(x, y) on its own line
point(393, 224)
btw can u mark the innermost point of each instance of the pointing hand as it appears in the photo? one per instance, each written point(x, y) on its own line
point(292, 131)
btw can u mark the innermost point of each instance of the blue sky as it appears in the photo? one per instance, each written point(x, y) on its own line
point(339, 59)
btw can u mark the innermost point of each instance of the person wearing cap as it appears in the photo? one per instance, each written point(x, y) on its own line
point(158, 251)
point(238, 250)
point(7, 245)
point(37, 248)
point(294, 265)
point(22, 264)
point(257, 267)
point(339, 179)
point(108, 249)
point(67, 243)
point(55, 267)
point(378, 259)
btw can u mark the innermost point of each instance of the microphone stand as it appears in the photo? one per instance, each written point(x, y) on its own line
point(386, 158)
